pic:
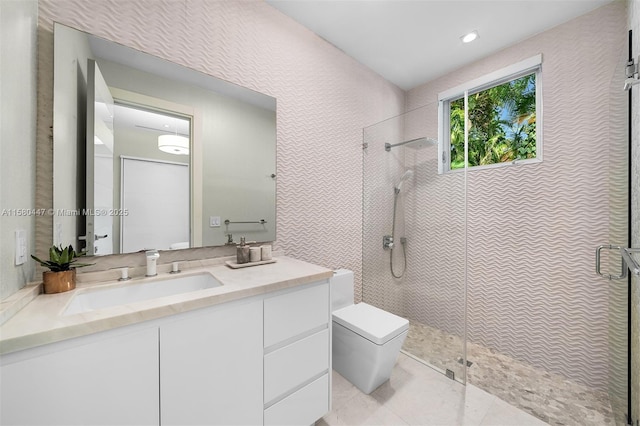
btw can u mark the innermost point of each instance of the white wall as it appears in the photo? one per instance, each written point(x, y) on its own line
point(239, 156)
point(18, 20)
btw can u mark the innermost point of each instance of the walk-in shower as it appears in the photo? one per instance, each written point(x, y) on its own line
point(479, 313)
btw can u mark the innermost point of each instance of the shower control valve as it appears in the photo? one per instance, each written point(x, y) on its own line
point(387, 242)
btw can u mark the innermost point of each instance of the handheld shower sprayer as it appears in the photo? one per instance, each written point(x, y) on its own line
point(388, 240)
point(407, 175)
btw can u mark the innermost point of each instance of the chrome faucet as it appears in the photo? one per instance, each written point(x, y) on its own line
point(152, 257)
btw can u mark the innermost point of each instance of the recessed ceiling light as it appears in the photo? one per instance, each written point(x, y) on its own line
point(468, 38)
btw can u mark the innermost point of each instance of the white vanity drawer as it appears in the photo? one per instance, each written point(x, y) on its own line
point(291, 314)
point(289, 367)
point(303, 407)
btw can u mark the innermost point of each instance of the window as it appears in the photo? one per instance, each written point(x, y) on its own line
point(502, 112)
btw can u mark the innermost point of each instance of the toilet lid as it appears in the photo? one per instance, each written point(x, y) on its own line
point(370, 322)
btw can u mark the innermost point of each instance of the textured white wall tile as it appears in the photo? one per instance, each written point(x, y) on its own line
point(532, 229)
point(324, 100)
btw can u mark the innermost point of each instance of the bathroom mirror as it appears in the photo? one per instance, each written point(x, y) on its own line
point(149, 154)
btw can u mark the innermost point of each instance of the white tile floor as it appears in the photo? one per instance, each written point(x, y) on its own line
point(418, 395)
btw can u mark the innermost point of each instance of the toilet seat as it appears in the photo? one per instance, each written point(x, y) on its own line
point(373, 324)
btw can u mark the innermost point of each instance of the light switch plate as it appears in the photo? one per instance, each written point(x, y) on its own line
point(21, 246)
point(57, 233)
point(214, 221)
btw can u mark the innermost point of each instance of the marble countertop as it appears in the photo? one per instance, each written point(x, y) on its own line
point(42, 320)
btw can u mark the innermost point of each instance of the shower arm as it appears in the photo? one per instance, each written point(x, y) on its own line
point(388, 146)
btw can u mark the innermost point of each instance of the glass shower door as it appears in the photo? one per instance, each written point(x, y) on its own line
point(619, 209)
point(421, 274)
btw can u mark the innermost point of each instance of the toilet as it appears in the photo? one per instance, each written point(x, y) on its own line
point(366, 339)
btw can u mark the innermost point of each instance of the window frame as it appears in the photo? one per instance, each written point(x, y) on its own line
point(532, 65)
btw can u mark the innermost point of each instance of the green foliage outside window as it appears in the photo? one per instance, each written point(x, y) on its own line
point(502, 124)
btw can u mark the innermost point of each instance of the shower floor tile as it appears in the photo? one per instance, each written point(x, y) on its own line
point(547, 396)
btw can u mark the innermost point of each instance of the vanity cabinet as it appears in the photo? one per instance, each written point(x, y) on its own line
point(211, 366)
point(297, 360)
point(109, 378)
point(264, 359)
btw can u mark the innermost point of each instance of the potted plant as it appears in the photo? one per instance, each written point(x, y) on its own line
point(62, 266)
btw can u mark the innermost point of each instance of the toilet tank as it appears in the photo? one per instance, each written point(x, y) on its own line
point(341, 289)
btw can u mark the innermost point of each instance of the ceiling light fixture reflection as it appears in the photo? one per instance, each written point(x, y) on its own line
point(468, 38)
point(173, 144)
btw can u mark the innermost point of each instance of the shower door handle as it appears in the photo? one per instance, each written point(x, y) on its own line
point(623, 271)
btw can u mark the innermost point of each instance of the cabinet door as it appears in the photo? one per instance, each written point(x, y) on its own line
point(104, 379)
point(211, 366)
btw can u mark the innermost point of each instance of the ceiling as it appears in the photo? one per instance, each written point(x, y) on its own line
point(138, 120)
point(412, 42)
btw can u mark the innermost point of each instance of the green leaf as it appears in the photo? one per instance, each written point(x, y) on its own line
point(61, 259)
point(54, 255)
point(64, 257)
point(41, 262)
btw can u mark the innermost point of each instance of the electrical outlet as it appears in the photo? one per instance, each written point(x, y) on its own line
point(21, 246)
point(214, 221)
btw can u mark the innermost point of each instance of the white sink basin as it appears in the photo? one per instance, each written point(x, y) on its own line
point(130, 293)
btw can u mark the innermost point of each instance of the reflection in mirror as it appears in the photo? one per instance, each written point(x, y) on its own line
point(151, 182)
point(150, 154)
point(99, 172)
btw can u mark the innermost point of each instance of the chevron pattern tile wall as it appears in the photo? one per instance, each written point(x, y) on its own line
point(324, 99)
point(532, 229)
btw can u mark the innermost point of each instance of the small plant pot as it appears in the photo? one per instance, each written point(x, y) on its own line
point(58, 282)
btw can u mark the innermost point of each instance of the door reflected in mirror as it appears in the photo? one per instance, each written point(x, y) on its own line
point(150, 154)
point(149, 186)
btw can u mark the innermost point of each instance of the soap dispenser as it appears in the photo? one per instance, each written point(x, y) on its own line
point(243, 253)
